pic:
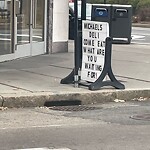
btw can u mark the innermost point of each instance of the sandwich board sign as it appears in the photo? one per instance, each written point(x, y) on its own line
point(94, 34)
point(96, 58)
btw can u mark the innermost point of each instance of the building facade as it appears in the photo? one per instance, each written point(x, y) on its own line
point(32, 27)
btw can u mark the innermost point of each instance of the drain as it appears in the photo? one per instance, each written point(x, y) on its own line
point(145, 117)
point(62, 103)
point(74, 108)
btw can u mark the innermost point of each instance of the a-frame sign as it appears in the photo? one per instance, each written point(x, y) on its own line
point(93, 50)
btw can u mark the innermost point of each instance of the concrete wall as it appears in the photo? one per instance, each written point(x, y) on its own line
point(60, 26)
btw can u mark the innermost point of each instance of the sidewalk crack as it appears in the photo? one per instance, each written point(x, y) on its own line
point(131, 78)
point(15, 87)
point(41, 74)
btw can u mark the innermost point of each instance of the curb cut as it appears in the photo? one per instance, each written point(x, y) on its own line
point(84, 98)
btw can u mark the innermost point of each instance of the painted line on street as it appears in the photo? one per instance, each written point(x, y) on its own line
point(52, 126)
point(137, 37)
point(44, 148)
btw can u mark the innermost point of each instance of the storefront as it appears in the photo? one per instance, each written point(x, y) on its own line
point(33, 27)
point(23, 27)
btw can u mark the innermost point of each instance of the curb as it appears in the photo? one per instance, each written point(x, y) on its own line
point(83, 98)
point(146, 25)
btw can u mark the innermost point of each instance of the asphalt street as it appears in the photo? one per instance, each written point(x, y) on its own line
point(141, 35)
point(117, 125)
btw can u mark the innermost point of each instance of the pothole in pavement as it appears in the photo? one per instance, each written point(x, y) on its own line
point(144, 117)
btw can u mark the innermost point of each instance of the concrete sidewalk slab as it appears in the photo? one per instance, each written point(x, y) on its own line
point(31, 82)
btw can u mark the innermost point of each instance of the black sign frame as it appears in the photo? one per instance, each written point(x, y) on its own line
point(74, 76)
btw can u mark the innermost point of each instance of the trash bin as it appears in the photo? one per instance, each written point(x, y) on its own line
point(121, 23)
point(101, 12)
point(119, 18)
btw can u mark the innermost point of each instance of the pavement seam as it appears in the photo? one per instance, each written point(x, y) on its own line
point(40, 74)
point(60, 67)
point(140, 43)
point(147, 81)
point(15, 87)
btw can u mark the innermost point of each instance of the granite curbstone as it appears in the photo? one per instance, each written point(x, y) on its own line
point(83, 98)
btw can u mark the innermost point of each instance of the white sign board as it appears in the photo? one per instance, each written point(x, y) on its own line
point(94, 34)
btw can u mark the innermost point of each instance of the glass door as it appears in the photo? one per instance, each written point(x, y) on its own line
point(5, 27)
point(38, 26)
point(30, 25)
point(22, 26)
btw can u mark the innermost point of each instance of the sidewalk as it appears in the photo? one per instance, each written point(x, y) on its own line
point(31, 82)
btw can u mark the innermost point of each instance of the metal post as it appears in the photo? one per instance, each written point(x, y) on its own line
point(83, 10)
point(74, 76)
point(76, 43)
point(83, 17)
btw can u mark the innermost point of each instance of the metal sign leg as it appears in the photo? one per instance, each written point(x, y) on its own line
point(107, 71)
